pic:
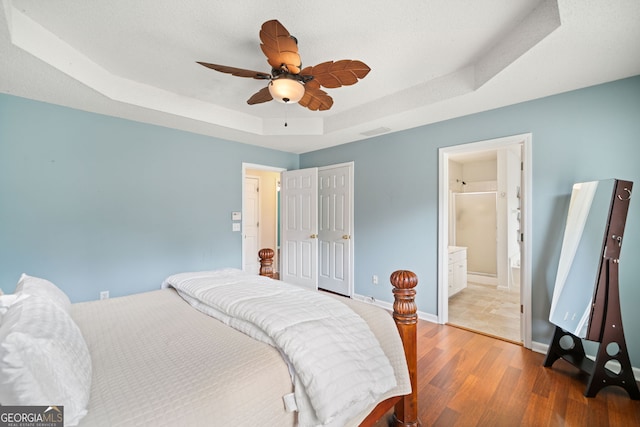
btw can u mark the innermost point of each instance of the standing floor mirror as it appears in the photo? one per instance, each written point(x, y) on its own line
point(586, 300)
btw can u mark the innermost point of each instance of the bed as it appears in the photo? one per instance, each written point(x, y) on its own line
point(157, 359)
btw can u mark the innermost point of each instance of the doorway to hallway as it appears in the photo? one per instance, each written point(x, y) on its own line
point(309, 226)
point(260, 214)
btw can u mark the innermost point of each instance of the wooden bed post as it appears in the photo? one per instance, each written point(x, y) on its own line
point(266, 262)
point(405, 314)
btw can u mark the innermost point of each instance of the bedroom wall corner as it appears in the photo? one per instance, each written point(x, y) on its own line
point(94, 202)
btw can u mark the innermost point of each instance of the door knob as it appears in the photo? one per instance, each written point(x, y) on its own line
point(313, 236)
point(346, 237)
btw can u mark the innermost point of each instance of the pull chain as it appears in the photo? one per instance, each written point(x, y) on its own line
point(285, 114)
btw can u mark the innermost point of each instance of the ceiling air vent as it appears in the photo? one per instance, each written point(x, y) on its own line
point(376, 131)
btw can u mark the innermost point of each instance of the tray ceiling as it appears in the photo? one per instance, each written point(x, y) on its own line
point(430, 60)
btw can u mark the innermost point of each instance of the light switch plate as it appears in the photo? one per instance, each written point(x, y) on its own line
point(235, 226)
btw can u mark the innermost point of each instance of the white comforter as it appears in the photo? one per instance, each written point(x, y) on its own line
point(338, 365)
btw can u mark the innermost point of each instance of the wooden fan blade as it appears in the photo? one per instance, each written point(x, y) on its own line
point(311, 85)
point(340, 73)
point(280, 48)
point(263, 95)
point(237, 71)
point(315, 99)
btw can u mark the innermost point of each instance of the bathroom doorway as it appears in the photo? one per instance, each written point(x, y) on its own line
point(483, 285)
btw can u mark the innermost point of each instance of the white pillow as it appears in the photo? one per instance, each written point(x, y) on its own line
point(30, 285)
point(44, 359)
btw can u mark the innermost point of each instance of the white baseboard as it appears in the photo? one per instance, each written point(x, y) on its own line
point(539, 347)
point(427, 316)
point(482, 279)
point(389, 306)
point(372, 300)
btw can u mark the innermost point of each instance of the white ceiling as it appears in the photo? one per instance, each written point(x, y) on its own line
point(431, 60)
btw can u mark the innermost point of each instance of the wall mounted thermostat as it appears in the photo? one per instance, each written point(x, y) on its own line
point(236, 216)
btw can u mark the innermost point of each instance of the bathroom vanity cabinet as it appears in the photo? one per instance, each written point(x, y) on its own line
point(457, 269)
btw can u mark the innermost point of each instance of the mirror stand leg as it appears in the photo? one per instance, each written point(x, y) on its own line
point(612, 365)
point(566, 346)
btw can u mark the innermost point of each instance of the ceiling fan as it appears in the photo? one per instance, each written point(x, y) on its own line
point(288, 83)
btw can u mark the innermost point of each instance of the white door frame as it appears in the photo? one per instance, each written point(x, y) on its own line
point(244, 222)
point(443, 224)
point(255, 166)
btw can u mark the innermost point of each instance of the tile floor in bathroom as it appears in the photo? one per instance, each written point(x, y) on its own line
point(488, 310)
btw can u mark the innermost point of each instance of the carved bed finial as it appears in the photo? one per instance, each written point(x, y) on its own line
point(405, 313)
point(266, 262)
point(404, 306)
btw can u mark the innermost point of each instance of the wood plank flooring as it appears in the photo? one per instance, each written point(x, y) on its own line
point(468, 379)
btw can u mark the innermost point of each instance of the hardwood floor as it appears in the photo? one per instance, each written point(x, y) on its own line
point(468, 379)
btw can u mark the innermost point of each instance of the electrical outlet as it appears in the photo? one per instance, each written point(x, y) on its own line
point(374, 279)
point(104, 294)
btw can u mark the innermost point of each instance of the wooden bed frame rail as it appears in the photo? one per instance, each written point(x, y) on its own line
point(405, 315)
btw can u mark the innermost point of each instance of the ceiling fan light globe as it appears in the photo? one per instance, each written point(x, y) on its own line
point(286, 90)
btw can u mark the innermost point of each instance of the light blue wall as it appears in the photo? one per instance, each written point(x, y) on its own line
point(95, 203)
point(583, 135)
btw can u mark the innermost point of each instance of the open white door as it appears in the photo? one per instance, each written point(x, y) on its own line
point(299, 227)
point(335, 235)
